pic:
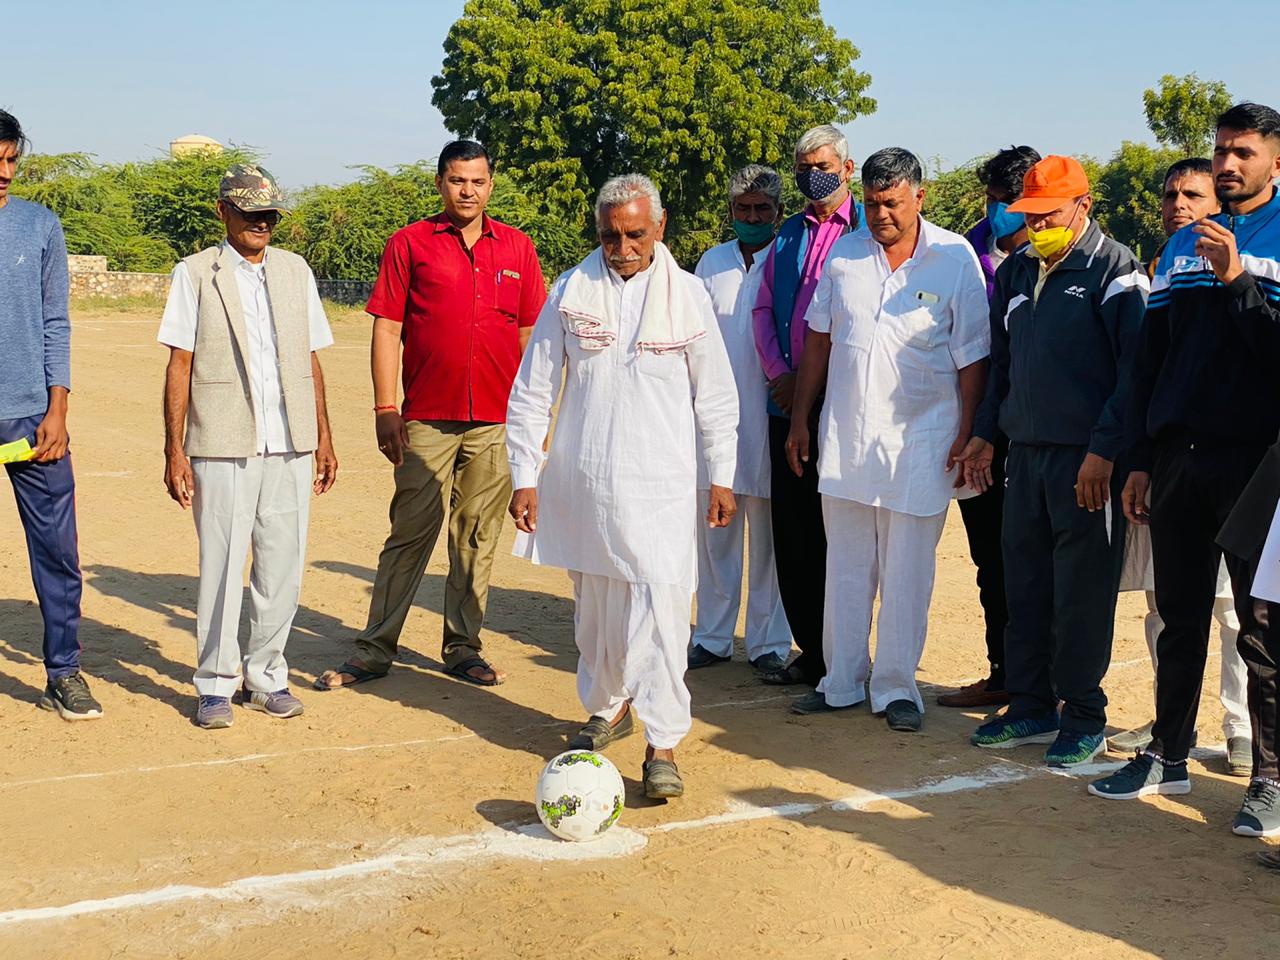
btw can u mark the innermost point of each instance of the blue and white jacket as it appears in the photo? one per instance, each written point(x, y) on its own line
point(1207, 369)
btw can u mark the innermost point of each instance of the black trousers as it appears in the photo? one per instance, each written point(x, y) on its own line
point(983, 517)
point(1193, 488)
point(799, 547)
point(1062, 572)
point(1259, 647)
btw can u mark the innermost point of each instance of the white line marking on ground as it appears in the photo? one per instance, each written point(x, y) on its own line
point(530, 842)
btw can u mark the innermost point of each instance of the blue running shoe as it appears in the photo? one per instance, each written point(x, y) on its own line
point(1143, 776)
point(1002, 733)
point(1073, 748)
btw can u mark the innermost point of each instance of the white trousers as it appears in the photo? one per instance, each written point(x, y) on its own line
point(1234, 689)
point(720, 582)
point(870, 549)
point(261, 502)
point(632, 645)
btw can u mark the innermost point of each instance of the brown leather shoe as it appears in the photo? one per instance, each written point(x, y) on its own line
point(974, 695)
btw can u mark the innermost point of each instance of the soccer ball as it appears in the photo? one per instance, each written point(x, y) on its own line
point(579, 795)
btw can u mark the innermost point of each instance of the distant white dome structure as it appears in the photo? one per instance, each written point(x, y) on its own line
point(193, 143)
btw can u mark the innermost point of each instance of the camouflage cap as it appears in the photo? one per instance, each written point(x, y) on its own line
point(251, 188)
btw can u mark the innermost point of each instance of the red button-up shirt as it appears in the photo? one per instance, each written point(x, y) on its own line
point(462, 312)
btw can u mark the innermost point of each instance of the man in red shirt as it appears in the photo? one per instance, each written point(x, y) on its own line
point(461, 292)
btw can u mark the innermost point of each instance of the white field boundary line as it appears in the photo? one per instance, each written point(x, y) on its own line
point(528, 842)
point(304, 751)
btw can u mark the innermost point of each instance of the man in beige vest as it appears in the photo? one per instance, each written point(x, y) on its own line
point(243, 324)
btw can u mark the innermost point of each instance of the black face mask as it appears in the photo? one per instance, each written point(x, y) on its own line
point(817, 184)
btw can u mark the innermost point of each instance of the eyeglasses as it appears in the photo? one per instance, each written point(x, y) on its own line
point(269, 217)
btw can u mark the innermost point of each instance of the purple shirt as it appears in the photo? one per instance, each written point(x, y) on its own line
point(822, 237)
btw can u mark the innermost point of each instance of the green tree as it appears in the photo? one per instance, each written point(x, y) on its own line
point(570, 92)
point(1183, 112)
point(955, 199)
point(1127, 194)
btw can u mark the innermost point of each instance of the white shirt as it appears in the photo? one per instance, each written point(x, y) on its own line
point(733, 295)
point(618, 495)
point(178, 329)
point(898, 338)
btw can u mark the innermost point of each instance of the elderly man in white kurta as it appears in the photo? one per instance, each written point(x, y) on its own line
point(899, 333)
point(644, 367)
point(731, 272)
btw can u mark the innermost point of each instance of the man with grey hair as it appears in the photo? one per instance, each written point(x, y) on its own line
point(731, 272)
point(791, 272)
point(636, 341)
point(898, 330)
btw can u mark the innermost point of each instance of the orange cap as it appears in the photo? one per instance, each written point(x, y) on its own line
point(1051, 183)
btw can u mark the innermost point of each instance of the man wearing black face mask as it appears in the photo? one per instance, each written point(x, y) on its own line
point(791, 272)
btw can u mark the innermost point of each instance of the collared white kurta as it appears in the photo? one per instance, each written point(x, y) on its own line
point(898, 338)
point(892, 411)
point(618, 496)
point(733, 295)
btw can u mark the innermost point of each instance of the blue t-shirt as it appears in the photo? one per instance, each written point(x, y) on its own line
point(35, 329)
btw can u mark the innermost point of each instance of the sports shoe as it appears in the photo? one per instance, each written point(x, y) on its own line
point(1259, 815)
point(70, 696)
point(1072, 748)
point(214, 713)
point(1143, 776)
point(1131, 741)
point(702, 657)
point(1000, 733)
point(1239, 756)
point(279, 703)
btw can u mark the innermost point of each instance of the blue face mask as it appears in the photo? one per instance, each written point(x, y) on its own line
point(753, 234)
point(1003, 223)
point(817, 184)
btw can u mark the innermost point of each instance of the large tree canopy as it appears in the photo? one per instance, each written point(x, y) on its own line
point(1183, 112)
point(570, 92)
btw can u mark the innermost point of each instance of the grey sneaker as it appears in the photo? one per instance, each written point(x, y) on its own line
point(1239, 756)
point(214, 713)
point(280, 703)
point(1259, 815)
point(1131, 741)
point(70, 696)
point(1143, 776)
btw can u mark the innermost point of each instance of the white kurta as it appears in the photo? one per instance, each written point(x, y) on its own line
point(618, 495)
point(733, 295)
point(898, 338)
point(892, 411)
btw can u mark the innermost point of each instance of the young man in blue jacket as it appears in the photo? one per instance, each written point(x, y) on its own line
point(34, 386)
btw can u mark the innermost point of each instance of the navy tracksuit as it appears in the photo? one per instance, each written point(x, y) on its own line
point(46, 495)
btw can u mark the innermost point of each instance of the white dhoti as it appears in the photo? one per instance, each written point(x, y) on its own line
point(720, 582)
point(262, 502)
point(870, 549)
point(631, 641)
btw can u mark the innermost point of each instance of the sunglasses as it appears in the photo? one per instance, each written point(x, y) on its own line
point(269, 217)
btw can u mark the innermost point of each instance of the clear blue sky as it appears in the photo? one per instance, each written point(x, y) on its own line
point(321, 85)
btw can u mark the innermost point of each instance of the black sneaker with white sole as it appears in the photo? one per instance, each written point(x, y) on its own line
point(1143, 776)
point(70, 696)
point(1259, 815)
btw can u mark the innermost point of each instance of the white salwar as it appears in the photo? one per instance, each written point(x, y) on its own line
point(892, 411)
point(617, 498)
point(720, 551)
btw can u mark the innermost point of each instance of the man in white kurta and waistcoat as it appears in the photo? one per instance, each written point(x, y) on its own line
point(731, 272)
point(616, 505)
point(899, 334)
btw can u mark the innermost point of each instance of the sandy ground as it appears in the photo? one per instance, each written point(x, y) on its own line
point(393, 820)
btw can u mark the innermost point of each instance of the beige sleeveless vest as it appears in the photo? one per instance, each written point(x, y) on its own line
point(220, 420)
